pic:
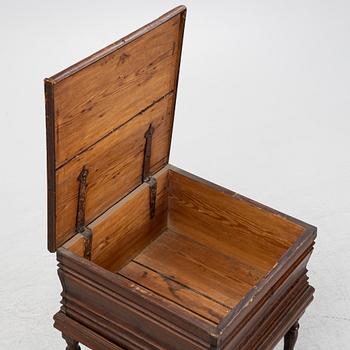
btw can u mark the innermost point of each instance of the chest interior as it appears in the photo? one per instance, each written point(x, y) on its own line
point(204, 248)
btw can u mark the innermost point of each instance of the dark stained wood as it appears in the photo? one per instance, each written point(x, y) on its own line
point(288, 309)
point(175, 262)
point(50, 159)
point(294, 313)
point(97, 107)
point(92, 297)
point(245, 326)
point(95, 341)
point(291, 337)
point(77, 330)
point(289, 299)
point(71, 343)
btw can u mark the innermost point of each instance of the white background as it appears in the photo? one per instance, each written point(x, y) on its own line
point(263, 109)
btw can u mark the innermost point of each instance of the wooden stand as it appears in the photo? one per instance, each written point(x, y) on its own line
point(71, 343)
point(291, 337)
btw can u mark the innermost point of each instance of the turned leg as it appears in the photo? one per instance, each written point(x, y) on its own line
point(291, 337)
point(71, 343)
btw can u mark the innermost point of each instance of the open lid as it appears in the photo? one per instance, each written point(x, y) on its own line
point(97, 114)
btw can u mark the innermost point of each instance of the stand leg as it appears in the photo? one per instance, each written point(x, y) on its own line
point(291, 337)
point(71, 343)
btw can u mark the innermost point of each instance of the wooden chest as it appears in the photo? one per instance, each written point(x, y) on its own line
point(150, 256)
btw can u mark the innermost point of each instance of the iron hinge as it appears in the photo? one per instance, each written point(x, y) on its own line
point(87, 234)
point(146, 176)
point(80, 223)
point(152, 183)
point(147, 153)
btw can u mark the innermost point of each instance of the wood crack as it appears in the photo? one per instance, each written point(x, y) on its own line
point(114, 130)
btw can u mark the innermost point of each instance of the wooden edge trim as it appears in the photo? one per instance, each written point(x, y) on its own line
point(115, 46)
point(305, 241)
point(51, 171)
point(294, 313)
point(82, 334)
point(312, 230)
point(177, 74)
point(295, 274)
point(264, 322)
point(109, 280)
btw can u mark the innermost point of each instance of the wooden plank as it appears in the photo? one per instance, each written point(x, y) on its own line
point(174, 291)
point(126, 228)
point(243, 325)
point(180, 261)
point(83, 296)
point(76, 245)
point(258, 205)
point(115, 167)
point(299, 293)
point(208, 256)
point(229, 224)
point(92, 99)
point(104, 95)
point(134, 297)
point(286, 320)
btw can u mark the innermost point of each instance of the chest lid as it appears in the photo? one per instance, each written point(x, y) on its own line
point(100, 113)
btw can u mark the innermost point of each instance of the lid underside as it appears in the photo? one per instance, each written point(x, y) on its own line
point(97, 114)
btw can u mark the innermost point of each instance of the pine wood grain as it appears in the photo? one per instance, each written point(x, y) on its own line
point(115, 167)
point(76, 245)
point(90, 102)
point(174, 291)
point(106, 94)
point(231, 225)
point(125, 229)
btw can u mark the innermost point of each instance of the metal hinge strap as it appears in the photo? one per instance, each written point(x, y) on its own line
point(146, 177)
point(152, 183)
point(80, 223)
point(82, 178)
point(87, 233)
point(147, 153)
